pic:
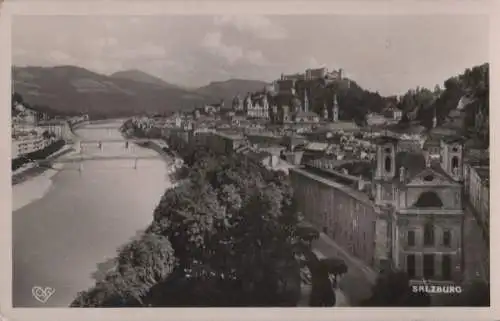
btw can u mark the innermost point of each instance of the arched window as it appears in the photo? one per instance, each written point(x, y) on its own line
point(429, 199)
point(388, 164)
point(454, 162)
point(428, 234)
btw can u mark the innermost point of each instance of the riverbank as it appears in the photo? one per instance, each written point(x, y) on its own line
point(31, 170)
point(33, 182)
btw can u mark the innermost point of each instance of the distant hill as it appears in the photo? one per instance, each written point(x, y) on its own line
point(228, 89)
point(74, 90)
point(141, 76)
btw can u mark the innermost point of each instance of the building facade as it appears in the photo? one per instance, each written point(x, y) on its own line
point(410, 217)
point(344, 214)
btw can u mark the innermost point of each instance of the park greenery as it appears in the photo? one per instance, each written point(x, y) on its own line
point(229, 235)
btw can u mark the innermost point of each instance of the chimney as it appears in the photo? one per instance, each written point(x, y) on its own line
point(402, 174)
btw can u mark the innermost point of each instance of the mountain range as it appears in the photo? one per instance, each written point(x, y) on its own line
point(75, 90)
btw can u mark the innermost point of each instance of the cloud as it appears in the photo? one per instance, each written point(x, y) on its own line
point(144, 51)
point(213, 42)
point(259, 26)
point(232, 53)
point(313, 63)
point(60, 58)
point(256, 57)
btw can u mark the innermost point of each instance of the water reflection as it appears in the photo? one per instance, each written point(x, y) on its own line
point(83, 219)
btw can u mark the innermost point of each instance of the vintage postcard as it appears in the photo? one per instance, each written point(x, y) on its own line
point(332, 157)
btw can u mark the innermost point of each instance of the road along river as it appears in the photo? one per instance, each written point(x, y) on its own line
point(69, 220)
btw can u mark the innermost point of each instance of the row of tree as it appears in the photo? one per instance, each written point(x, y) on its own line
point(227, 236)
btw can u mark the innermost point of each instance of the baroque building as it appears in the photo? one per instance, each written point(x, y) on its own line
point(409, 216)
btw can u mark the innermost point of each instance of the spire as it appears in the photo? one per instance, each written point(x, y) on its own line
point(434, 119)
point(335, 108)
point(306, 101)
point(325, 111)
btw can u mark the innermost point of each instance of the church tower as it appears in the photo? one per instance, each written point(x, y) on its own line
point(306, 101)
point(452, 152)
point(385, 171)
point(335, 109)
point(325, 112)
point(386, 158)
point(434, 119)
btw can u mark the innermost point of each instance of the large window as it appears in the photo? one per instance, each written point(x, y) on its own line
point(429, 234)
point(411, 238)
point(410, 266)
point(454, 162)
point(446, 267)
point(428, 266)
point(447, 238)
point(388, 164)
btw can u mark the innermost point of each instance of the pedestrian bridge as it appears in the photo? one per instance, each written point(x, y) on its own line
point(81, 160)
point(101, 143)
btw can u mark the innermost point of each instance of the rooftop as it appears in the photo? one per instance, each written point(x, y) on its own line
point(322, 177)
point(385, 139)
point(229, 135)
point(483, 173)
point(316, 146)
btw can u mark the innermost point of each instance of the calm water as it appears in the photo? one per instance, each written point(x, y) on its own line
point(59, 240)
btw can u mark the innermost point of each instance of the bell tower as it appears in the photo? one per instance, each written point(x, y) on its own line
point(452, 152)
point(386, 158)
point(335, 109)
point(306, 101)
point(385, 171)
point(434, 119)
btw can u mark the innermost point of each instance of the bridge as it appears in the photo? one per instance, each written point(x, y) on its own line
point(89, 158)
point(99, 143)
point(125, 140)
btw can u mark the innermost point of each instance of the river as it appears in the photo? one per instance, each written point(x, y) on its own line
point(81, 218)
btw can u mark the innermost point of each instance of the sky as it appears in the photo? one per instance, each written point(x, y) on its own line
point(388, 54)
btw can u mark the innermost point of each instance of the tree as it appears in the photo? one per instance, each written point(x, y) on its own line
point(233, 235)
point(141, 264)
point(17, 98)
point(392, 288)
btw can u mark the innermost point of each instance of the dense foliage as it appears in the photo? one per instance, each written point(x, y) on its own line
point(421, 104)
point(50, 112)
point(392, 289)
point(225, 237)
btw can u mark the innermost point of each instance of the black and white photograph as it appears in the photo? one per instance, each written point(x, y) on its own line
point(250, 160)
